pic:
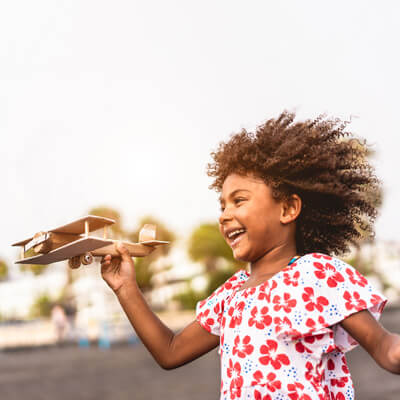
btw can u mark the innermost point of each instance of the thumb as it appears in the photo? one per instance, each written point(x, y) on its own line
point(123, 252)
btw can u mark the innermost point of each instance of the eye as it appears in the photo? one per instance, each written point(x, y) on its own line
point(238, 200)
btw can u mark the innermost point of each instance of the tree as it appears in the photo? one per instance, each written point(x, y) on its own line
point(207, 245)
point(36, 269)
point(143, 265)
point(3, 270)
point(41, 306)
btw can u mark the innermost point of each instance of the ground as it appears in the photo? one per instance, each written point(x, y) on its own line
point(127, 372)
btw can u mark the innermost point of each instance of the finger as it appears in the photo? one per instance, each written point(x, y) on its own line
point(115, 262)
point(106, 258)
point(124, 253)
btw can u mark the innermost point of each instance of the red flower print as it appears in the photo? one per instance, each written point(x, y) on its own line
point(242, 349)
point(202, 302)
point(308, 297)
point(291, 280)
point(236, 314)
point(235, 392)
point(345, 368)
point(356, 277)
point(319, 255)
point(247, 293)
point(282, 324)
point(258, 396)
point(258, 376)
point(260, 319)
point(339, 396)
point(301, 348)
point(319, 273)
point(328, 270)
point(216, 311)
point(308, 375)
point(265, 291)
point(356, 302)
point(205, 321)
point(223, 322)
point(331, 365)
point(271, 383)
point(276, 360)
point(287, 303)
point(375, 299)
point(312, 324)
point(296, 390)
point(341, 382)
point(316, 379)
point(233, 372)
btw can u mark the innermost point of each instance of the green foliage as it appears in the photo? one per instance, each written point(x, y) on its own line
point(217, 278)
point(364, 267)
point(206, 241)
point(143, 274)
point(143, 269)
point(36, 269)
point(207, 245)
point(162, 233)
point(189, 299)
point(41, 307)
point(3, 270)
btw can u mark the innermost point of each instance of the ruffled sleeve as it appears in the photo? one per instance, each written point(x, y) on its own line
point(209, 311)
point(331, 291)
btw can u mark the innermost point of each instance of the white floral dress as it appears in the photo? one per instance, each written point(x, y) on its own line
point(282, 339)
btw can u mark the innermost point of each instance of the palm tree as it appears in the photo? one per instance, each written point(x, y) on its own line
point(3, 270)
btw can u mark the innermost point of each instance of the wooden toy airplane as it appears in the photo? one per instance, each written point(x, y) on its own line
point(72, 242)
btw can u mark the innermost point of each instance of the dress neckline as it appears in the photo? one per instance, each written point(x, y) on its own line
point(294, 259)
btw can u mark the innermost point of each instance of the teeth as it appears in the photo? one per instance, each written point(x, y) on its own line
point(234, 233)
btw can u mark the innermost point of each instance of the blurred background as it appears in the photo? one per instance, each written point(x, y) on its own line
point(112, 109)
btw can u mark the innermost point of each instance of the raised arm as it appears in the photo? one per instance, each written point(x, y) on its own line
point(168, 349)
point(382, 345)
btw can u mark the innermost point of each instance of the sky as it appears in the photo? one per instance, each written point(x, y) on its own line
point(121, 103)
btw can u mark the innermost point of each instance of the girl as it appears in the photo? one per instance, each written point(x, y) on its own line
point(293, 195)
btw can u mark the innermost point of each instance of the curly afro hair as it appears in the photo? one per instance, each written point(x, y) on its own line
point(319, 161)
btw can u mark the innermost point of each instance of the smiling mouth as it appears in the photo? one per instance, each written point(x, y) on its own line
point(235, 237)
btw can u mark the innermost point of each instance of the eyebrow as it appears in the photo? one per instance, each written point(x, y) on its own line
point(221, 199)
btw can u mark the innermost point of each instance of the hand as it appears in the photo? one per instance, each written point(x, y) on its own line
point(118, 271)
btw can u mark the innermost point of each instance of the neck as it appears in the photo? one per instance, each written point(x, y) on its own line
point(273, 260)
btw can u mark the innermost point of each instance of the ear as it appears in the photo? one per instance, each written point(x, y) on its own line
point(290, 209)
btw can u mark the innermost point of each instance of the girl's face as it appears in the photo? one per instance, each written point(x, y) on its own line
point(252, 221)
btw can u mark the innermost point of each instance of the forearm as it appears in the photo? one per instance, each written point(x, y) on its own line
point(389, 353)
point(154, 334)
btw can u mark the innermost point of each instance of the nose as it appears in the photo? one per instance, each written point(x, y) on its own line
point(225, 216)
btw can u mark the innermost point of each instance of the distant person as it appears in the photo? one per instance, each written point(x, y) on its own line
point(70, 313)
point(60, 322)
point(294, 195)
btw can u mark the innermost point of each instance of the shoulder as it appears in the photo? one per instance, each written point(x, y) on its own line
point(324, 262)
point(332, 270)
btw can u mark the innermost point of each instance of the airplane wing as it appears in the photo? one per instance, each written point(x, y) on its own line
point(76, 248)
point(76, 227)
